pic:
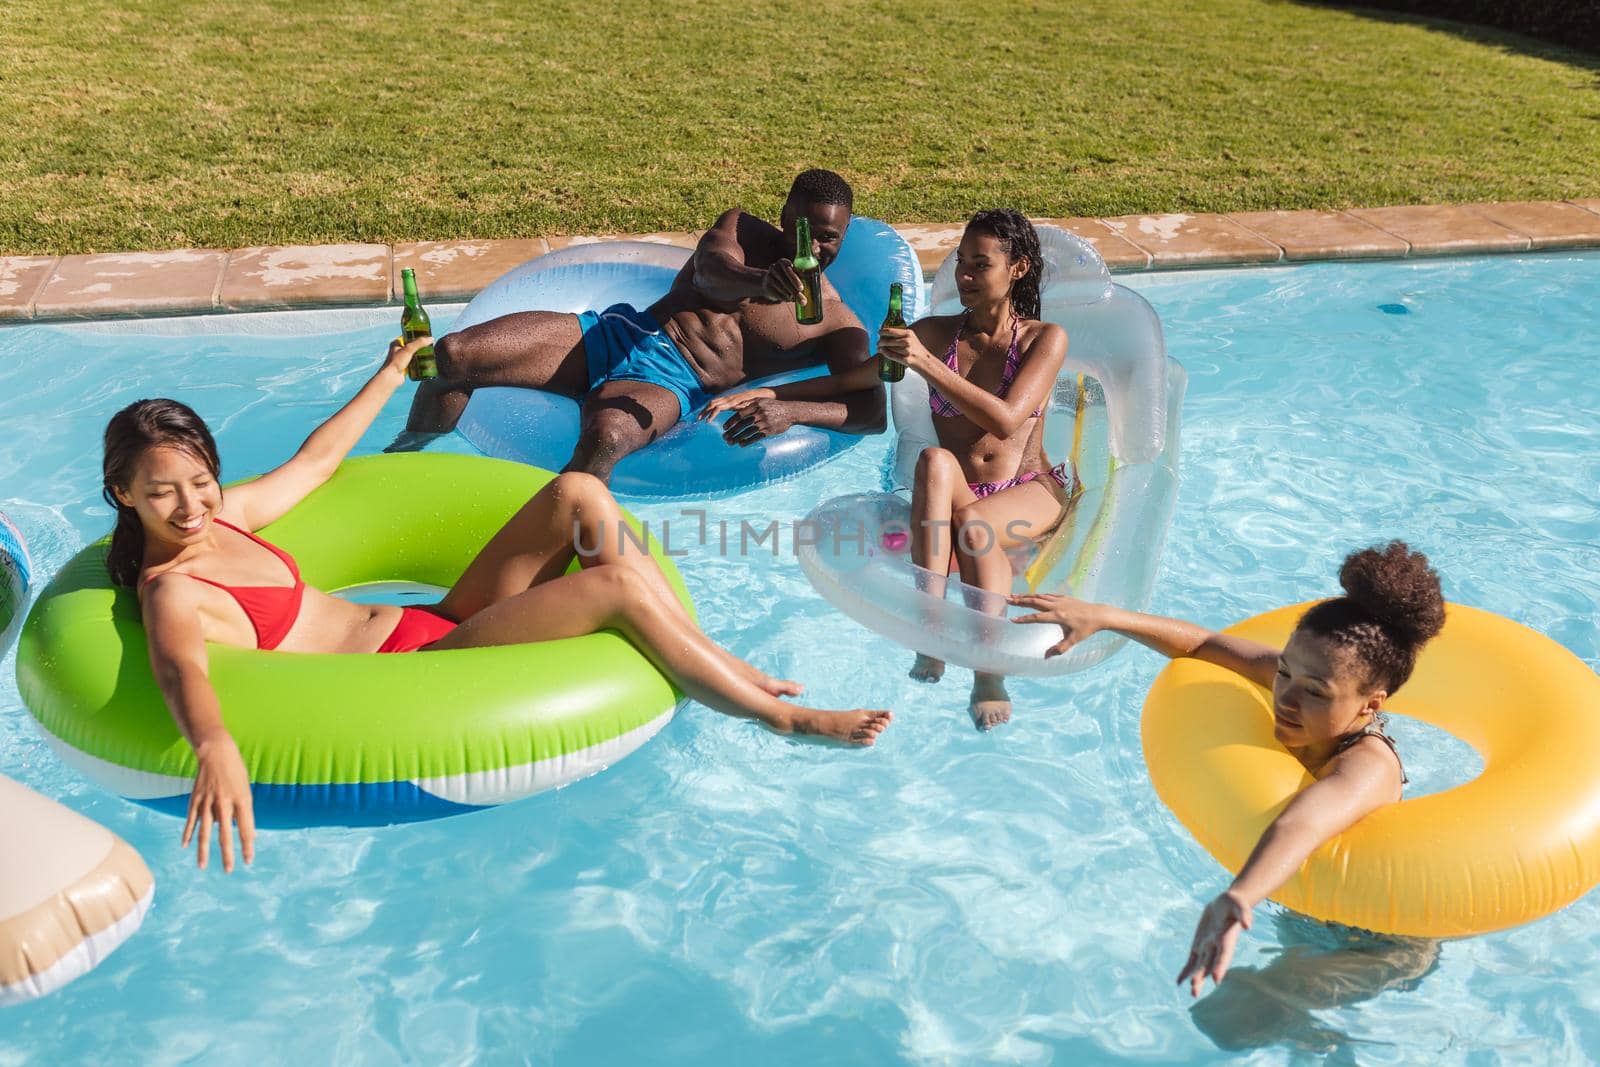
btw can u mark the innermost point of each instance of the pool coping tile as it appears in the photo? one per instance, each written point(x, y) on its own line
point(1443, 229)
point(132, 283)
point(1546, 223)
point(109, 285)
point(932, 242)
point(459, 270)
point(1180, 239)
point(1119, 253)
point(1311, 235)
point(281, 276)
point(21, 279)
point(676, 238)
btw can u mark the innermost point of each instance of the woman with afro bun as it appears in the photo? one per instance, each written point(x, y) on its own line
point(1345, 658)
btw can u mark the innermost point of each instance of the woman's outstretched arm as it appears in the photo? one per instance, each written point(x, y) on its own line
point(1173, 638)
point(221, 793)
point(257, 503)
point(1360, 780)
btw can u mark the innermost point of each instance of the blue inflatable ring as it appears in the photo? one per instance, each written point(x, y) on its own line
point(691, 459)
point(15, 574)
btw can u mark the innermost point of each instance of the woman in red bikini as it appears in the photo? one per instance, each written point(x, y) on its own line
point(203, 576)
point(989, 483)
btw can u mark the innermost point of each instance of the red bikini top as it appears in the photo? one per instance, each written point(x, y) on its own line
point(271, 609)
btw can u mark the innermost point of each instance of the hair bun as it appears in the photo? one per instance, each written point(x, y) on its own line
point(1398, 588)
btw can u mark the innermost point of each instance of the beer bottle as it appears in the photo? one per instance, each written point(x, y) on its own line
point(413, 324)
point(808, 308)
point(891, 370)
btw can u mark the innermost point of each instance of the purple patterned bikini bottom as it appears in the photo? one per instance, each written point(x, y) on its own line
point(1061, 474)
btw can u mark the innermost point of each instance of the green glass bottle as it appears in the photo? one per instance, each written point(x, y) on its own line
point(891, 370)
point(808, 308)
point(413, 324)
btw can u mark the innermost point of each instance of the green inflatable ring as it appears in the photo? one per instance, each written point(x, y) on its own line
point(351, 739)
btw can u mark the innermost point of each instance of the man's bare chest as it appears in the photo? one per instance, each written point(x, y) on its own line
point(770, 332)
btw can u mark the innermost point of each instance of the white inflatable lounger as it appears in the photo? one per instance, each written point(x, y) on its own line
point(1114, 412)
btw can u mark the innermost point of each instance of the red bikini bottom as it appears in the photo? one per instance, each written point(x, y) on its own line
point(417, 627)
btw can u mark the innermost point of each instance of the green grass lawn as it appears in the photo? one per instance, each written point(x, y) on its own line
point(145, 124)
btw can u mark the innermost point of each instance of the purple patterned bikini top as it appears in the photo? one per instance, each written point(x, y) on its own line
point(944, 408)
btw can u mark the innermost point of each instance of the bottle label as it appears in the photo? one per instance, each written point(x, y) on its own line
point(808, 308)
point(422, 365)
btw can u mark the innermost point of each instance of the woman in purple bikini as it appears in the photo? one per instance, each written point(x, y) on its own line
point(989, 483)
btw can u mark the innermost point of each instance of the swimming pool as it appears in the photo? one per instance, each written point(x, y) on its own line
point(725, 895)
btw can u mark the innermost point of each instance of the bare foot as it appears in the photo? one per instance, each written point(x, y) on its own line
point(858, 727)
point(927, 669)
point(991, 704)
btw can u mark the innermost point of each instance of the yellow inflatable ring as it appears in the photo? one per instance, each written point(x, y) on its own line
point(1518, 842)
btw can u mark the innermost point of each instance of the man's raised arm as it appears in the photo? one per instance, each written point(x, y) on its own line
point(721, 273)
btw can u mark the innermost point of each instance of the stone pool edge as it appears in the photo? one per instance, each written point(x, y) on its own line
point(208, 281)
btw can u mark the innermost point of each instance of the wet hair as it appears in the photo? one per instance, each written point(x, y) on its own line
point(134, 430)
point(821, 187)
point(1020, 241)
point(1391, 607)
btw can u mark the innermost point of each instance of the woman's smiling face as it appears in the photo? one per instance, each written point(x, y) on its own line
point(175, 494)
point(1320, 693)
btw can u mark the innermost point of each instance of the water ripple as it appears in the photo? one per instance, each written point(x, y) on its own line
point(726, 895)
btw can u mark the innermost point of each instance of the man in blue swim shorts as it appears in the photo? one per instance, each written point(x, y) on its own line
point(729, 317)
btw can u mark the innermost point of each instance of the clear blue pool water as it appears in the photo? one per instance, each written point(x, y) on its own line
point(727, 896)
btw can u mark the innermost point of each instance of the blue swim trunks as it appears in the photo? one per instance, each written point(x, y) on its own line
point(623, 343)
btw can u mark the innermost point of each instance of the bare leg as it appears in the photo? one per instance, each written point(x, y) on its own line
point(436, 403)
point(619, 418)
point(941, 487)
point(595, 524)
point(573, 515)
point(985, 529)
point(531, 349)
point(613, 596)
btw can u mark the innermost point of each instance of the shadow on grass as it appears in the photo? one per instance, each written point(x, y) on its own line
point(1505, 40)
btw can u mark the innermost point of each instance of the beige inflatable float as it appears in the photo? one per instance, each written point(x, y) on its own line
point(71, 891)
